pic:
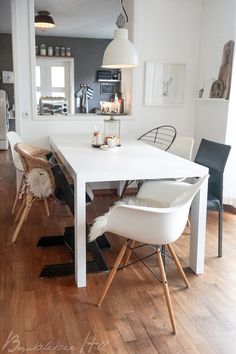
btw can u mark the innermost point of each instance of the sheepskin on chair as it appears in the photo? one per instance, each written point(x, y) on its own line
point(100, 223)
point(38, 183)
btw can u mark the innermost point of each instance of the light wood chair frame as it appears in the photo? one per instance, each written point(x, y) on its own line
point(31, 157)
point(127, 247)
point(34, 151)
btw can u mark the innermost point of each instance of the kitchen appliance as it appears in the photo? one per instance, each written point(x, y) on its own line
point(53, 105)
point(4, 120)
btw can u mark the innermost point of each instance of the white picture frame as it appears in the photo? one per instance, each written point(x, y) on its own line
point(164, 83)
point(7, 77)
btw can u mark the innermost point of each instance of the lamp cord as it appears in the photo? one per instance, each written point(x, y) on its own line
point(122, 19)
point(126, 15)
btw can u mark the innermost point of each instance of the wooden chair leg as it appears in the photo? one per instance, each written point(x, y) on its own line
point(27, 214)
point(28, 205)
point(126, 262)
point(46, 207)
point(21, 209)
point(17, 195)
point(112, 273)
point(166, 290)
point(178, 265)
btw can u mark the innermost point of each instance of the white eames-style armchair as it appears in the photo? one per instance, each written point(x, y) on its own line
point(160, 223)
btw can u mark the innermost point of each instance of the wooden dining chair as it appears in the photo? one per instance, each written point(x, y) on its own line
point(14, 139)
point(38, 182)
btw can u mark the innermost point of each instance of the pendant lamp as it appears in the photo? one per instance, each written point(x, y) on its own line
point(43, 20)
point(120, 53)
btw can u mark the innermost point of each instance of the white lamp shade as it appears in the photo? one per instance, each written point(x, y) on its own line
point(120, 53)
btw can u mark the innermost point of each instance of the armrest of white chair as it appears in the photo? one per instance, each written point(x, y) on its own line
point(149, 224)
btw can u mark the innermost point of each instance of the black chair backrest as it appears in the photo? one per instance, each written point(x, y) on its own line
point(64, 191)
point(161, 137)
point(214, 156)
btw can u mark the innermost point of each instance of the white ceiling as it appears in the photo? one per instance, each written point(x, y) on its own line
point(81, 18)
point(73, 18)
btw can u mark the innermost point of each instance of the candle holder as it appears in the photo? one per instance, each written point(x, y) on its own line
point(112, 130)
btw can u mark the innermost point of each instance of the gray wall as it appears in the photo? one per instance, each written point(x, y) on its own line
point(6, 64)
point(87, 54)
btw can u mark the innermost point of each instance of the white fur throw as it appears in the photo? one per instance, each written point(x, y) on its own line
point(100, 223)
point(38, 182)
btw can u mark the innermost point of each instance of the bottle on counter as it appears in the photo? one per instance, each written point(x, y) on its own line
point(121, 101)
point(116, 106)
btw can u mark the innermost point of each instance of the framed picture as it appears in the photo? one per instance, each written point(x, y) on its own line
point(107, 89)
point(7, 77)
point(164, 83)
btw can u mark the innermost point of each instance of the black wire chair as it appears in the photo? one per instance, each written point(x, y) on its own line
point(214, 156)
point(161, 137)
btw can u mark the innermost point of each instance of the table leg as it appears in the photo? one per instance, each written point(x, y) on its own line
point(80, 233)
point(198, 230)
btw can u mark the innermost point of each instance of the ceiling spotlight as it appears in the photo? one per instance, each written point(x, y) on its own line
point(43, 20)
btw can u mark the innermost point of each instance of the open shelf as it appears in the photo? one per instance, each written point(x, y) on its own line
point(108, 80)
point(213, 99)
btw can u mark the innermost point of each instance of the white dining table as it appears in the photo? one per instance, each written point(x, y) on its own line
point(133, 160)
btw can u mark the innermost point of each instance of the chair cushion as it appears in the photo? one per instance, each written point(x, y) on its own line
point(38, 183)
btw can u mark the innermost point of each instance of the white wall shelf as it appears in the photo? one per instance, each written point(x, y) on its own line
point(213, 99)
point(108, 80)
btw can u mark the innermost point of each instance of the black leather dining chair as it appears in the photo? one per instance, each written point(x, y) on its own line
point(214, 156)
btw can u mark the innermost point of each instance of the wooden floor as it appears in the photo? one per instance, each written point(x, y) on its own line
point(53, 316)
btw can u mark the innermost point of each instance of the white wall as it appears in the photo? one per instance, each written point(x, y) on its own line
point(217, 28)
point(163, 30)
point(167, 30)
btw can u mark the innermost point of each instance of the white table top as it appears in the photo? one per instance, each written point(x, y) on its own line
point(133, 160)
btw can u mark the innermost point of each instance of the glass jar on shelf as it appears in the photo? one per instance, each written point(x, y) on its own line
point(63, 51)
point(57, 51)
point(68, 52)
point(50, 51)
point(43, 49)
